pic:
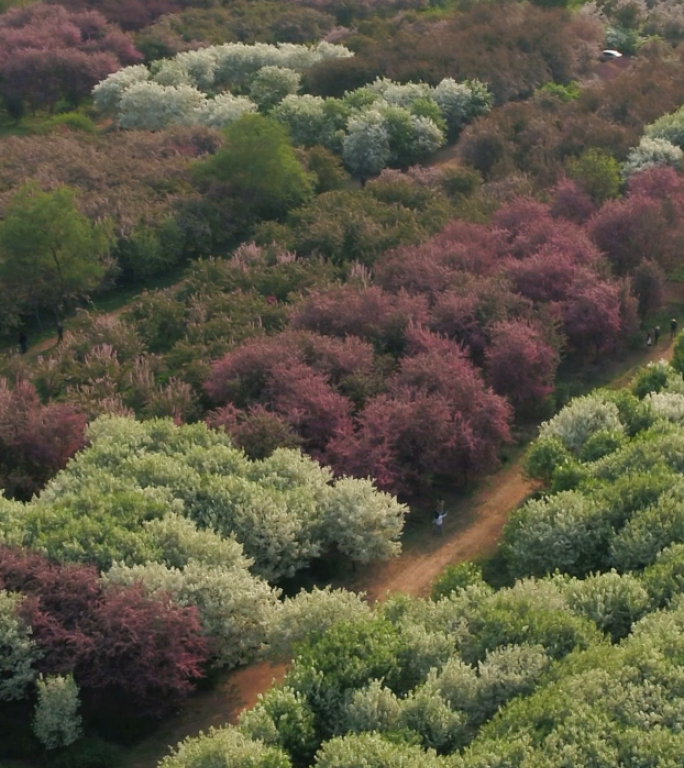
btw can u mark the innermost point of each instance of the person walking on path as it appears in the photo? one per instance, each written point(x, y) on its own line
point(438, 520)
point(649, 340)
point(60, 333)
point(673, 327)
point(23, 342)
point(656, 334)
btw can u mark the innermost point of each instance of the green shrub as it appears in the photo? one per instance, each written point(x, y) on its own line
point(90, 752)
point(74, 121)
point(456, 577)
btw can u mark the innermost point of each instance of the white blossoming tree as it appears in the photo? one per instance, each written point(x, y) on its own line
point(651, 153)
point(222, 110)
point(566, 531)
point(150, 106)
point(461, 102)
point(366, 147)
point(312, 120)
point(57, 722)
point(107, 94)
point(18, 652)
point(669, 127)
point(363, 522)
point(310, 614)
point(580, 419)
point(225, 747)
point(284, 510)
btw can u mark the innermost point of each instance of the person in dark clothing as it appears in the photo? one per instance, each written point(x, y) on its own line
point(23, 342)
point(656, 334)
point(60, 333)
point(673, 327)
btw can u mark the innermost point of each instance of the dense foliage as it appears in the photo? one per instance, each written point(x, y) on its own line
point(48, 54)
point(575, 661)
point(396, 326)
point(139, 569)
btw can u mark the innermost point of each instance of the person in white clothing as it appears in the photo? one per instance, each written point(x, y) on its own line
point(438, 520)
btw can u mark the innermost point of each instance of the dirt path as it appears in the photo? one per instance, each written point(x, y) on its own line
point(207, 709)
point(472, 530)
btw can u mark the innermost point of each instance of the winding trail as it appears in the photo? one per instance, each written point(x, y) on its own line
point(472, 530)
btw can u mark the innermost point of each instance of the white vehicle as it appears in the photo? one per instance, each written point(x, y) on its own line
point(609, 55)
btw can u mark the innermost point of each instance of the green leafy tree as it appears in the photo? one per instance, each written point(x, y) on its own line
point(271, 85)
point(678, 354)
point(282, 719)
point(598, 173)
point(371, 750)
point(611, 600)
point(49, 252)
point(259, 168)
point(225, 747)
point(347, 657)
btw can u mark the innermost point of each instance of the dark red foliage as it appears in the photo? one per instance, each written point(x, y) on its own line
point(241, 376)
point(457, 316)
point(592, 315)
point(662, 183)
point(36, 440)
point(401, 440)
point(334, 357)
point(369, 313)
point(466, 315)
point(438, 418)
point(631, 229)
point(441, 367)
point(257, 430)
point(65, 589)
point(118, 643)
point(521, 364)
point(527, 227)
point(416, 269)
point(525, 224)
point(432, 267)
point(128, 14)
point(571, 202)
point(647, 224)
point(42, 77)
point(545, 277)
point(48, 54)
point(275, 373)
point(305, 399)
point(648, 286)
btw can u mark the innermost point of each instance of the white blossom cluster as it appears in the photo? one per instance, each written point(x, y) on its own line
point(193, 75)
point(384, 123)
point(652, 152)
